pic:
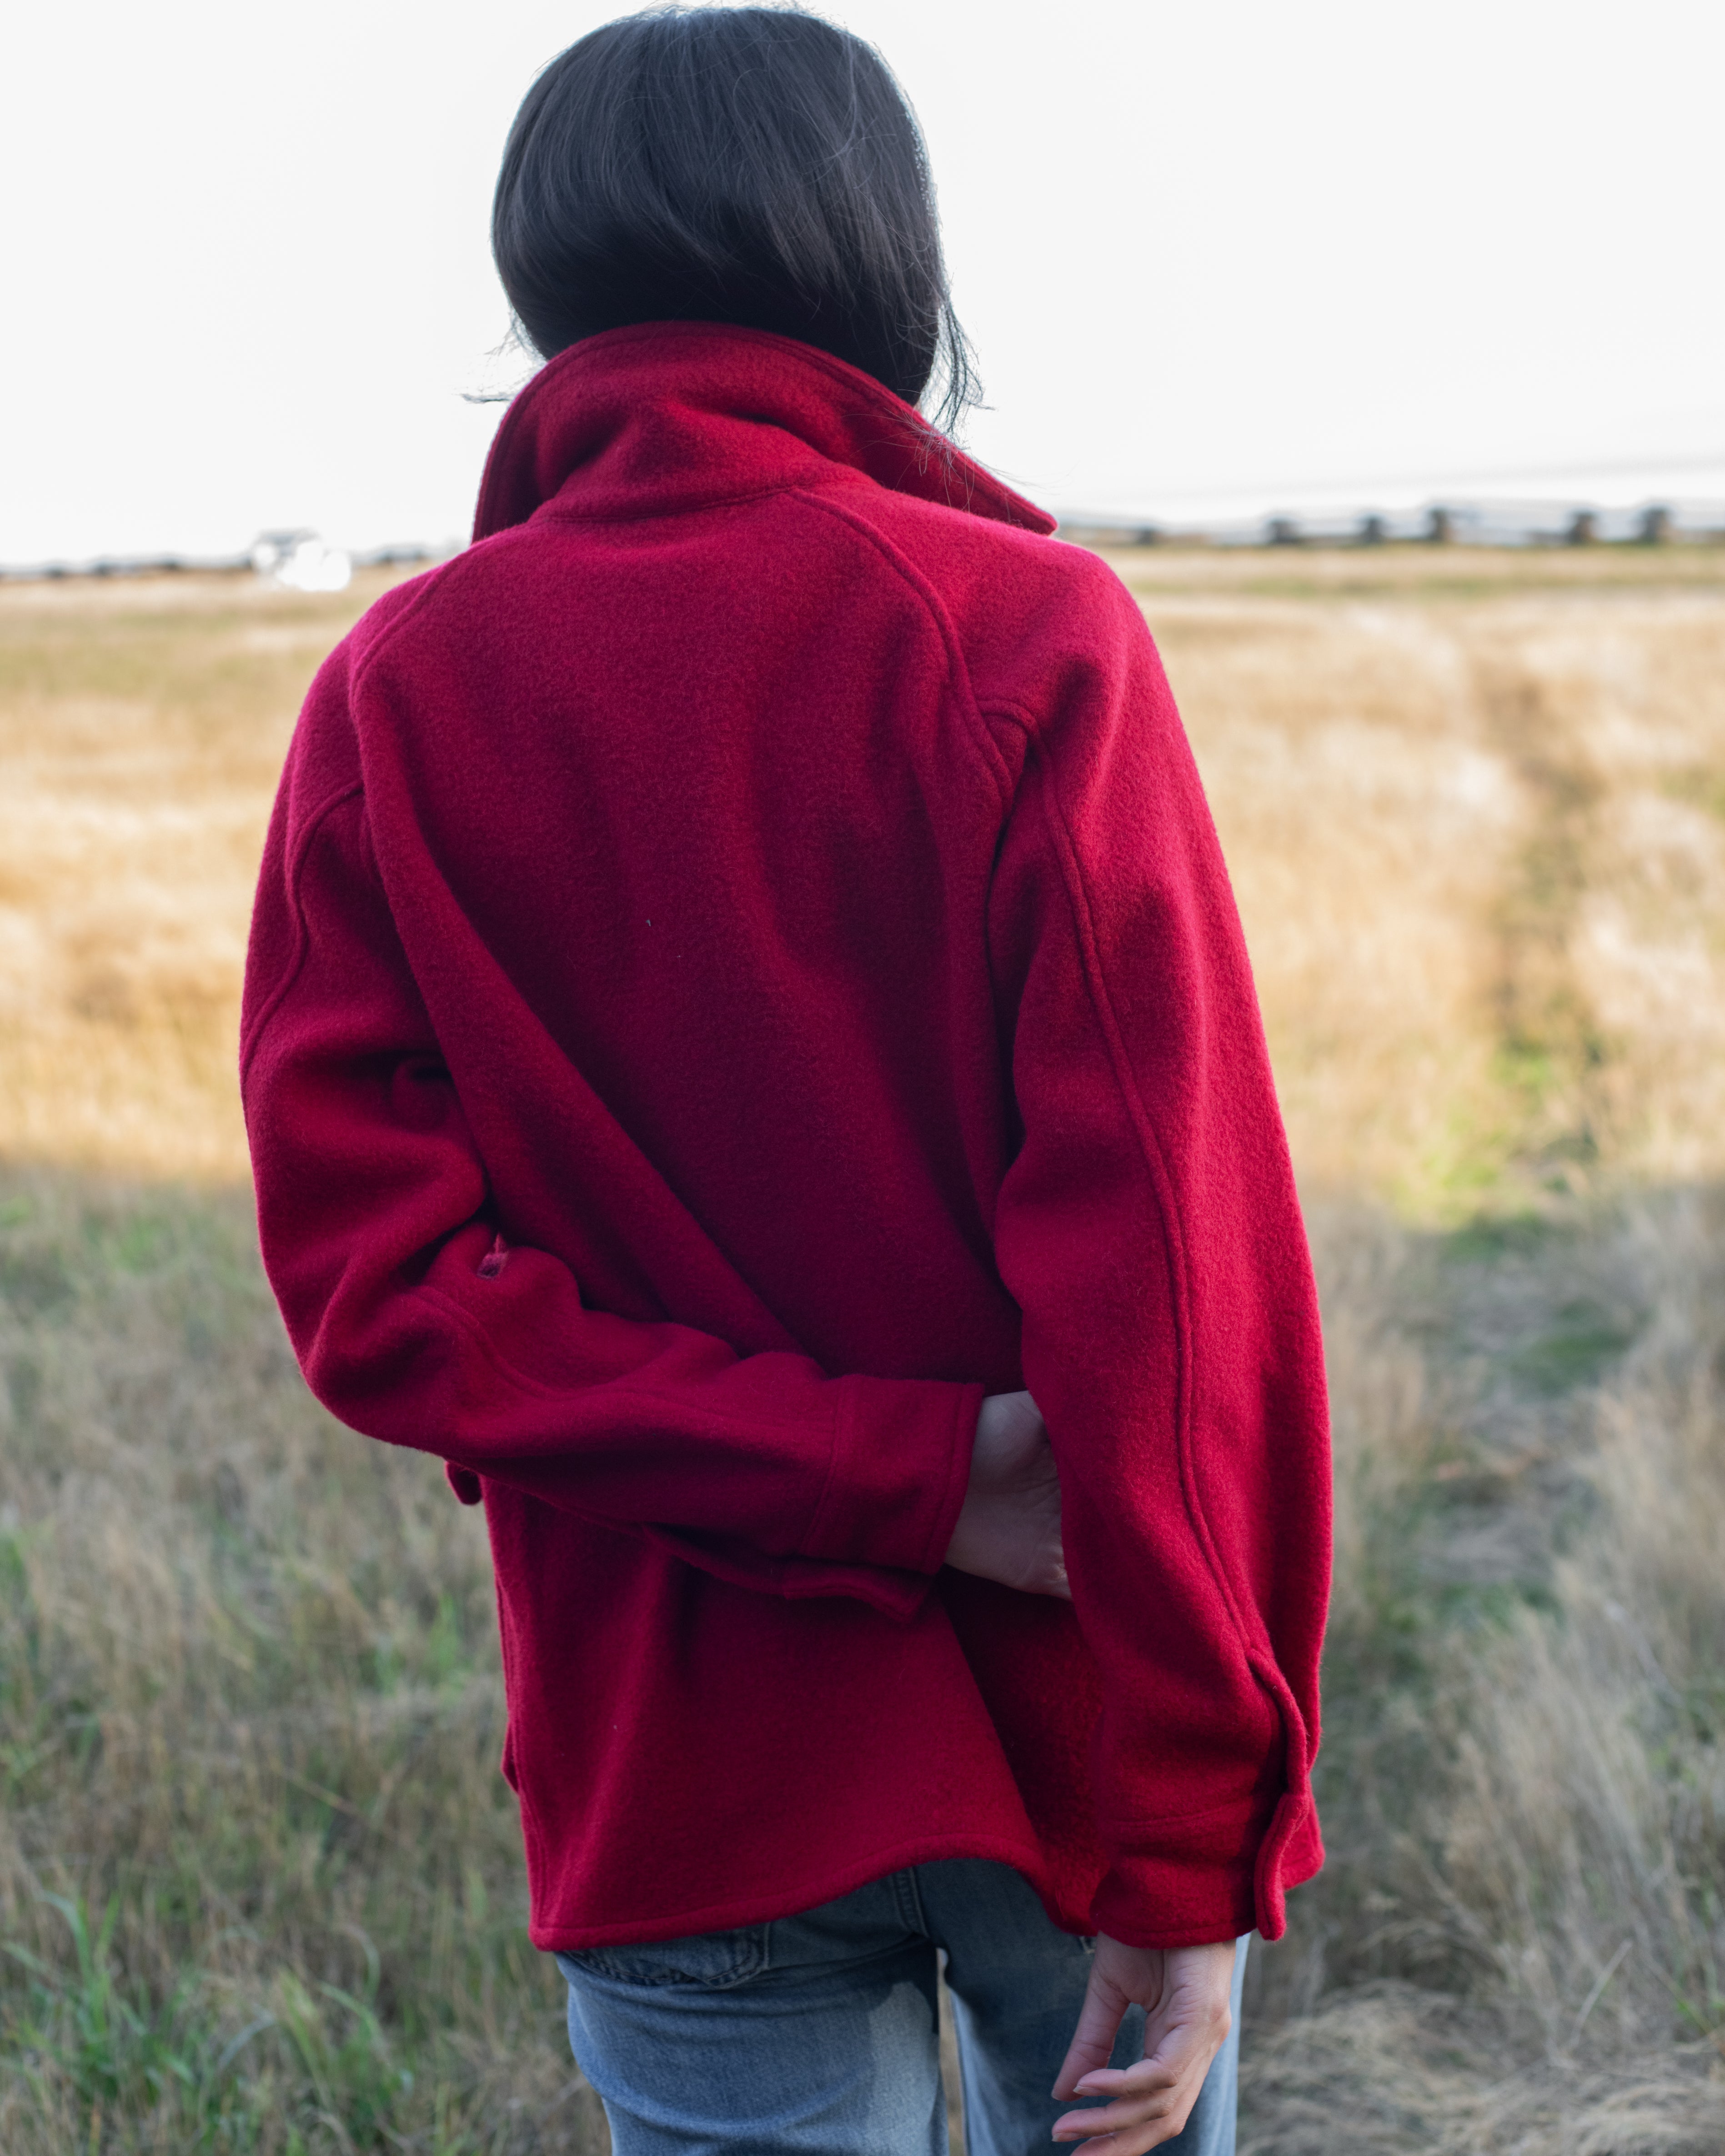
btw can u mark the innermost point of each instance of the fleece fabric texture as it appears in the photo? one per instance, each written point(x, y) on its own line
point(742, 966)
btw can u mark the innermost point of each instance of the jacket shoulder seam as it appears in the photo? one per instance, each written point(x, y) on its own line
point(347, 791)
point(371, 652)
point(912, 577)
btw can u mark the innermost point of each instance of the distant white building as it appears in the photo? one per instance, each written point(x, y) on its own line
point(300, 561)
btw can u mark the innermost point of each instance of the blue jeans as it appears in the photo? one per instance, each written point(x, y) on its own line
point(816, 2033)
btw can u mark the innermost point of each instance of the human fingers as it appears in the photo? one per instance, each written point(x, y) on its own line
point(1011, 1436)
point(1188, 1993)
point(1051, 1568)
point(1143, 2105)
point(1099, 2020)
point(1154, 2096)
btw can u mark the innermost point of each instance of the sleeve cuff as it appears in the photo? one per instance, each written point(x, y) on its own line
point(900, 1468)
point(1210, 1877)
point(895, 1479)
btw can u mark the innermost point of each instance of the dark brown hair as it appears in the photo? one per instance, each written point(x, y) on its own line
point(750, 165)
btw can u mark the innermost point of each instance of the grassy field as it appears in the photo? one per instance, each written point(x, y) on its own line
point(259, 1881)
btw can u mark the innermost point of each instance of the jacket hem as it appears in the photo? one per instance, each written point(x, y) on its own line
point(558, 1934)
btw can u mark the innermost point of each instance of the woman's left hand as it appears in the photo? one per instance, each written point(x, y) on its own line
point(1187, 1994)
point(1008, 1529)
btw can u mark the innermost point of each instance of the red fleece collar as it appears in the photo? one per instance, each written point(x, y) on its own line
point(664, 415)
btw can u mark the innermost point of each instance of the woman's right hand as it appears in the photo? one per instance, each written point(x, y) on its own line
point(1009, 1527)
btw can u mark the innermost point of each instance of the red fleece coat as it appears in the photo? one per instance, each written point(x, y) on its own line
point(742, 966)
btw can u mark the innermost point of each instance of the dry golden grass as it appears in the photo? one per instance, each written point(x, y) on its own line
point(1475, 807)
point(249, 1702)
point(142, 726)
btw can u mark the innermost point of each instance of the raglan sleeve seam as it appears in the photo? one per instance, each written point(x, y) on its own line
point(350, 790)
point(958, 671)
point(360, 657)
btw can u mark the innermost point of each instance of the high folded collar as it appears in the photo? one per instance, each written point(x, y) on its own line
point(665, 416)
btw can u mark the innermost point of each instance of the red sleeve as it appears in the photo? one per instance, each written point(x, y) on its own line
point(1150, 1231)
point(411, 1325)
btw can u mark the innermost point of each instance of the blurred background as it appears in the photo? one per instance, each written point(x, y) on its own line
point(1218, 261)
point(1321, 302)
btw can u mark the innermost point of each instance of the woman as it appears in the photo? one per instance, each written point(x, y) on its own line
point(744, 1007)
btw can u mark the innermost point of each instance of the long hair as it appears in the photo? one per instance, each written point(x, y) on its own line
point(748, 165)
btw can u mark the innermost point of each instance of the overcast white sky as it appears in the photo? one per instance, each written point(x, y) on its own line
point(1235, 254)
